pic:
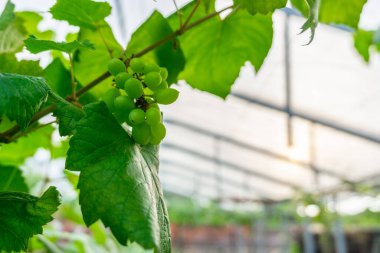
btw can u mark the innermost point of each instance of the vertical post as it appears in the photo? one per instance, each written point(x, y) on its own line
point(218, 168)
point(338, 232)
point(259, 230)
point(307, 236)
point(288, 80)
point(312, 155)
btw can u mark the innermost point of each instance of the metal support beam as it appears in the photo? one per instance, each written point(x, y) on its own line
point(253, 148)
point(232, 166)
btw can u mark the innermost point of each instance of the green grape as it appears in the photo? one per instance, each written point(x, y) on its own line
point(158, 131)
point(153, 116)
point(153, 105)
point(166, 96)
point(164, 85)
point(164, 73)
point(124, 103)
point(116, 66)
point(141, 133)
point(121, 78)
point(137, 65)
point(109, 98)
point(151, 67)
point(134, 88)
point(148, 91)
point(137, 116)
point(153, 79)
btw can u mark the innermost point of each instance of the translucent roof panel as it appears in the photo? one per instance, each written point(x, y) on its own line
point(243, 142)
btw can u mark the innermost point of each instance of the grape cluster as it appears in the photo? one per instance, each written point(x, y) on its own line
point(134, 99)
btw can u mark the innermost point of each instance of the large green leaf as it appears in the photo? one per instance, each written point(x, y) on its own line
point(10, 64)
point(31, 22)
point(261, 6)
point(363, 42)
point(58, 77)
point(83, 13)
point(90, 64)
point(167, 55)
point(23, 215)
point(35, 45)
point(118, 181)
point(11, 179)
point(16, 152)
point(21, 96)
point(12, 31)
point(7, 15)
point(67, 116)
point(345, 12)
point(216, 50)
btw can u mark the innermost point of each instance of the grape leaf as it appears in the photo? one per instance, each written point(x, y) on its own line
point(209, 5)
point(345, 12)
point(16, 152)
point(216, 50)
point(7, 15)
point(363, 41)
point(261, 6)
point(67, 116)
point(23, 215)
point(21, 96)
point(31, 22)
point(88, 64)
point(12, 31)
point(10, 64)
point(118, 180)
point(83, 13)
point(11, 179)
point(167, 55)
point(35, 45)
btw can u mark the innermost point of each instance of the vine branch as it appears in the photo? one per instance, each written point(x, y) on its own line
point(7, 136)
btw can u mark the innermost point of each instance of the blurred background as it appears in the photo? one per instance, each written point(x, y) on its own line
point(289, 162)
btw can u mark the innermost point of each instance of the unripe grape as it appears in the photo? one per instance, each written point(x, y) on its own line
point(109, 98)
point(166, 96)
point(134, 88)
point(123, 103)
point(164, 73)
point(121, 115)
point(153, 116)
point(148, 91)
point(137, 65)
point(141, 133)
point(158, 131)
point(164, 85)
point(153, 105)
point(116, 66)
point(121, 78)
point(137, 116)
point(151, 67)
point(153, 79)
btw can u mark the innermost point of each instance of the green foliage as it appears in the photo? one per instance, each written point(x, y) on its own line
point(261, 6)
point(12, 31)
point(82, 13)
point(166, 55)
point(215, 51)
point(364, 40)
point(11, 179)
point(90, 64)
point(344, 12)
point(31, 21)
point(67, 117)
point(128, 196)
point(21, 97)
point(7, 16)
point(10, 64)
point(35, 45)
point(23, 215)
point(17, 151)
